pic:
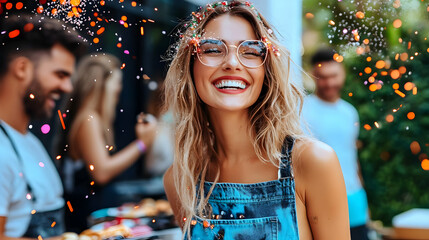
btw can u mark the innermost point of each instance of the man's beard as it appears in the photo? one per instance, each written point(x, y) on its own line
point(35, 107)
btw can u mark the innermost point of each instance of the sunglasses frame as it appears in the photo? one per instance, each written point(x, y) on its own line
point(197, 50)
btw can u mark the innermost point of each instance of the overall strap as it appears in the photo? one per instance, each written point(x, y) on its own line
point(29, 189)
point(286, 160)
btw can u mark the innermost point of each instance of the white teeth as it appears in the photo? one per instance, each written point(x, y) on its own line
point(55, 97)
point(231, 84)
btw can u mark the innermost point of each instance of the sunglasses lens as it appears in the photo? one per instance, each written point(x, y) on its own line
point(211, 52)
point(252, 53)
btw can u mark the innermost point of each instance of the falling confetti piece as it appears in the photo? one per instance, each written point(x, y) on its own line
point(332, 23)
point(415, 91)
point(373, 87)
point(31, 96)
point(33, 211)
point(58, 157)
point(408, 86)
point(377, 125)
point(415, 147)
point(380, 64)
point(92, 183)
point(75, 3)
point(142, 31)
point(91, 167)
point(367, 70)
point(14, 33)
point(100, 31)
point(39, 237)
point(395, 74)
point(360, 15)
point(70, 206)
point(41, 164)
point(53, 224)
point(397, 23)
point(425, 162)
point(61, 119)
point(389, 118)
point(96, 40)
point(400, 93)
point(40, 9)
point(309, 15)
point(411, 115)
point(367, 127)
point(45, 128)
point(19, 5)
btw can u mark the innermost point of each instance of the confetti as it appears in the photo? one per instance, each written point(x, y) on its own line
point(61, 119)
point(69, 206)
point(45, 128)
point(425, 162)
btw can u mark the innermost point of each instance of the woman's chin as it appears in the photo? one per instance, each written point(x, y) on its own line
point(230, 107)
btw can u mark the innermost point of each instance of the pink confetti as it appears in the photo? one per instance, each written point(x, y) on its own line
point(46, 129)
point(127, 52)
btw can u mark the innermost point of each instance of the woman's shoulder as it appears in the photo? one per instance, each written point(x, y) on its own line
point(310, 151)
point(313, 160)
point(86, 120)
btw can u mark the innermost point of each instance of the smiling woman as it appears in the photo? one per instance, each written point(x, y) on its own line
point(237, 123)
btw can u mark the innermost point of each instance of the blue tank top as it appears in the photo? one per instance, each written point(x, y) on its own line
point(265, 210)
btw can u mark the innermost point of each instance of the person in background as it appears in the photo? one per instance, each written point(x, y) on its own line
point(88, 141)
point(336, 122)
point(37, 59)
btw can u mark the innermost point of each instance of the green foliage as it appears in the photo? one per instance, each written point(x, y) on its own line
point(393, 174)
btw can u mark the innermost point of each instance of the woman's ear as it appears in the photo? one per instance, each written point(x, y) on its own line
point(22, 68)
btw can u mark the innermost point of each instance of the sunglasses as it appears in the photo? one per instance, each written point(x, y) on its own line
point(250, 53)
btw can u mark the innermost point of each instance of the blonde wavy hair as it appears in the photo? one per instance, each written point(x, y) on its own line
point(90, 94)
point(273, 117)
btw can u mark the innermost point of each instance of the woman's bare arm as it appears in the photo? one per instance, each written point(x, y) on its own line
point(91, 148)
point(325, 192)
point(172, 196)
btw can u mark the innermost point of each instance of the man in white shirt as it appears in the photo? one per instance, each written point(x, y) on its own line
point(336, 122)
point(37, 58)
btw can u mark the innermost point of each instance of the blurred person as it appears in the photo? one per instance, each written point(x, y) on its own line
point(336, 122)
point(161, 155)
point(37, 59)
point(87, 143)
point(239, 147)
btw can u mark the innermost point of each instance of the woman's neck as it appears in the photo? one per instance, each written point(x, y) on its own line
point(234, 143)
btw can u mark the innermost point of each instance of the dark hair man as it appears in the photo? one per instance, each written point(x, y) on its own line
point(336, 122)
point(37, 58)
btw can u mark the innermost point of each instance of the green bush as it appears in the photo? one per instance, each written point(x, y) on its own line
point(394, 177)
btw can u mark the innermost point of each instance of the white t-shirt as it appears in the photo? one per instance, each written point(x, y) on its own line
point(42, 176)
point(336, 124)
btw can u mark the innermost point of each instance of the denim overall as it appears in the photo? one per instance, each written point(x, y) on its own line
point(254, 211)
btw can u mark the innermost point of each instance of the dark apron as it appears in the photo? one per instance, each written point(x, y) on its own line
point(45, 224)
